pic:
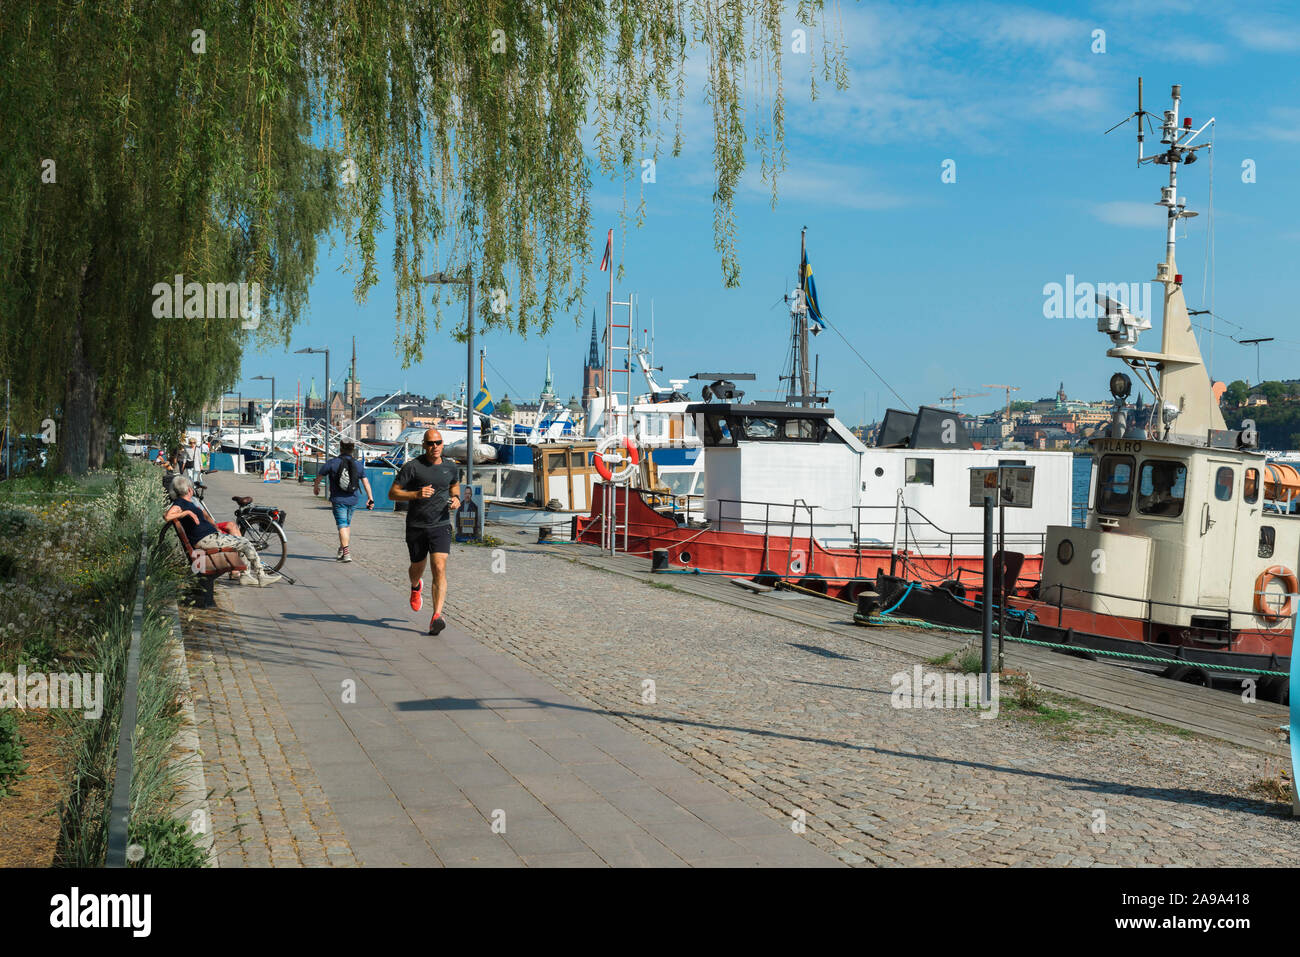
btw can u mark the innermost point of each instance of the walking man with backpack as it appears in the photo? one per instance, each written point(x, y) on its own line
point(346, 477)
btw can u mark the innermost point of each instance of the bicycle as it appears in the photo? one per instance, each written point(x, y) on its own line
point(262, 525)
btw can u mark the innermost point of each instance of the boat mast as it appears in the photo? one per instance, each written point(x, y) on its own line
point(1175, 375)
point(798, 375)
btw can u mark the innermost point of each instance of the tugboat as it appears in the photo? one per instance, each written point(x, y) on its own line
point(1189, 554)
point(791, 494)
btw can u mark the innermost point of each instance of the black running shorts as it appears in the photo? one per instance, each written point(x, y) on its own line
point(421, 541)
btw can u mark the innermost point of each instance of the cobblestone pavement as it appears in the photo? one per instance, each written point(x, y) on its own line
point(789, 717)
point(336, 731)
point(267, 807)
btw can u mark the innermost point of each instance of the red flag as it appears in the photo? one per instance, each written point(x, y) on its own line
point(609, 248)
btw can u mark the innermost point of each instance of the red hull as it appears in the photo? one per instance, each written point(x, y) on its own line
point(1260, 641)
point(838, 571)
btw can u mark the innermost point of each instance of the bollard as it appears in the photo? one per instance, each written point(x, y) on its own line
point(659, 560)
point(543, 534)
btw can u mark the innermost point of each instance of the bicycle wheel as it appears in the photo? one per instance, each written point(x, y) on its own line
point(272, 548)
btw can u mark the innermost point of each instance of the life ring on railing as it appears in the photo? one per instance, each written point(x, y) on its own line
point(1262, 608)
point(628, 467)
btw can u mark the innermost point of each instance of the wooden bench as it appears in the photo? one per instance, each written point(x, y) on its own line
point(208, 563)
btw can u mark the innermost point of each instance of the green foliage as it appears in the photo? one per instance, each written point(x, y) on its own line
point(1236, 393)
point(463, 125)
point(504, 409)
point(166, 841)
point(970, 660)
point(1278, 423)
point(12, 765)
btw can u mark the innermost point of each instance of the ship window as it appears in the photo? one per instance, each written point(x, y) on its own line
point(1250, 487)
point(1161, 488)
point(920, 472)
point(1267, 536)
point(786, 429)
point(759, 428)
point(716, 430)
point(1115, 485)
point(800, 429)
point(1223, 484)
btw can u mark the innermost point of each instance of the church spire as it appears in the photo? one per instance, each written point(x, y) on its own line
point(548, 391)
point(593, 358)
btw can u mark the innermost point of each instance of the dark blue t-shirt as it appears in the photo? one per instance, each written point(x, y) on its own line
point(194, 532)
point(332, 470)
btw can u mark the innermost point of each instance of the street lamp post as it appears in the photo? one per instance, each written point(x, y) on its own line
point(467, 280)
point(327, 395)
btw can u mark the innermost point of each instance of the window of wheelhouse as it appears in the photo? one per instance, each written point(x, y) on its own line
point(1115, 485)
point(1250, 487)
point(716, 430)
point(1223, 484)
point(1162, 487)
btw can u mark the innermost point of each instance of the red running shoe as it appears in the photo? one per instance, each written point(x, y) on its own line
point(416, 598)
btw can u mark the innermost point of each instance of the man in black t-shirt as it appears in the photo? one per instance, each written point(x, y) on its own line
point(431, 490)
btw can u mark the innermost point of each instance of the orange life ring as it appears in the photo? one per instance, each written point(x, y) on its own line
point(1288, 578)
point(602, 468)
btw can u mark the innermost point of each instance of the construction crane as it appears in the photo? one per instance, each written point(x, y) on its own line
point(1009, 389)
point(954, 397)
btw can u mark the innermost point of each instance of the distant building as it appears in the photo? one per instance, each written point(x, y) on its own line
point(593, 371)
point(1255, 400)
point(388, 426)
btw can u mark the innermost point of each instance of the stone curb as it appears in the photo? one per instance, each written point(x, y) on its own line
point(187, 756)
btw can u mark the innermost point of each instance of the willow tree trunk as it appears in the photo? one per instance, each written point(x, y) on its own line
point(74, 435)
point(80, 400)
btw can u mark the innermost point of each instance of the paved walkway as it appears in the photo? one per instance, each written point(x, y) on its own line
point(336, 732)
point(781, 715)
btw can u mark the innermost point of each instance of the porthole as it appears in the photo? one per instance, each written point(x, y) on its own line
point(1065, 551)
point(879, 471)
point(684, 557)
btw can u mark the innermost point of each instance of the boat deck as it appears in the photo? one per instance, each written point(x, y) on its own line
point(1216, 714)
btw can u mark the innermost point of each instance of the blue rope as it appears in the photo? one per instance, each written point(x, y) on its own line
point(910, 586)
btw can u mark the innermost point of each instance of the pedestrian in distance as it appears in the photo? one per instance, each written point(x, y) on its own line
point(430, 488)
point(347, 476)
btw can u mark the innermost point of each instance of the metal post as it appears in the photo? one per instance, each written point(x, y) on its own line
point(327, 404)
point(1002, 561)
point(239, 431)
point(469, 386)
point(988, 599)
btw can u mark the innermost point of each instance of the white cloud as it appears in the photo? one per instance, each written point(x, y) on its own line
point(1142, 215)
point(1268, 34)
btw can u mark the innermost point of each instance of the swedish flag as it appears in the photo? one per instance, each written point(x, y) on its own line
point(483, 401)
point(810, 293)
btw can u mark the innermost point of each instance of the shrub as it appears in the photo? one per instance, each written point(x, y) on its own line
point(167, 842)
point(12, 765)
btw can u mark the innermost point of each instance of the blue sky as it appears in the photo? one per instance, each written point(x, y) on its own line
point(939, 285)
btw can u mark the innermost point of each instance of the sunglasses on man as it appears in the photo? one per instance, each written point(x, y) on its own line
point(437, 442)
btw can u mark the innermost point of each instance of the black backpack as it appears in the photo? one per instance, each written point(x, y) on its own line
point(348, 476)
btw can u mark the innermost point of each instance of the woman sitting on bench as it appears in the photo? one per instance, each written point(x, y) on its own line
point(204, 534)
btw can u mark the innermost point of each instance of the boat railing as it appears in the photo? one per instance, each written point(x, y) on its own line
point(1044, 596)
point(902, 529)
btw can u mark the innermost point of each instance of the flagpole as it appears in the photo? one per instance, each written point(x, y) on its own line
point(609, 334)
point(803, 318)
